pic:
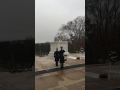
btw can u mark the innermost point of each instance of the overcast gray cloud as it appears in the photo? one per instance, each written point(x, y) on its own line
point(17, 19)
point(51, 14)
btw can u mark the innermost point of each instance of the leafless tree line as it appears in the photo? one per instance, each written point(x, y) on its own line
point(74, 33)
point(102, 28)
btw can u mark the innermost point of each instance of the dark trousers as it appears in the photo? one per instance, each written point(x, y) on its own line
point(56, 62)
point(61, 65)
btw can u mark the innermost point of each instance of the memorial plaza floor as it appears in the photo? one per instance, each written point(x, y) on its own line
point(50, 77)
point(93, 82)
point(74, 76)
point(17, 81)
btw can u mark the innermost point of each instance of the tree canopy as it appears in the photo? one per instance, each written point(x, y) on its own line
point(74, 33)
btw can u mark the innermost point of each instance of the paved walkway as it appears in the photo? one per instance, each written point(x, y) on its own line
point(47, 62)
point(94, 83)
point(17, 81)
point(50, 77)
point(92, 75)
point(72, 79)
point(58, 69)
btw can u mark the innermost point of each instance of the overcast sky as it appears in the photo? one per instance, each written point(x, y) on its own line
point(51, 14)
point(17, 19)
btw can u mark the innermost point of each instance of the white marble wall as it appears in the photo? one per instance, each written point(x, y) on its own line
point(54, 45)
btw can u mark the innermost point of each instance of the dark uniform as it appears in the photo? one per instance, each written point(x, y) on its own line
point(61, 53)
point(56, 55)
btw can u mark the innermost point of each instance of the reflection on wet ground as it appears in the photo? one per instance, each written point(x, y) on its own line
point(58, 69)
point(17, 81)
point(93, 82)
point(72, 79)
point(49, 77)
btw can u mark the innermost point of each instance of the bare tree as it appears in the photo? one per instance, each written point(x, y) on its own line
point(73, 32)
point(102, 24)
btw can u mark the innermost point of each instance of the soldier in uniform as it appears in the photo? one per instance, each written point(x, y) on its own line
point(56, 55)
point(61, 54)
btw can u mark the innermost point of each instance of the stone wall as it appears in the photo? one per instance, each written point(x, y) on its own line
point(54, 45)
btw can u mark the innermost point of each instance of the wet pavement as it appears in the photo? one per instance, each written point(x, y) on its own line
point(17, 81)
point(72, 77)
point(47, 62)
point(92, 82)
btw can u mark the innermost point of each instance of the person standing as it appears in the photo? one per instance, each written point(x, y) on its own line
point(61, 53)
point(56, 55)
